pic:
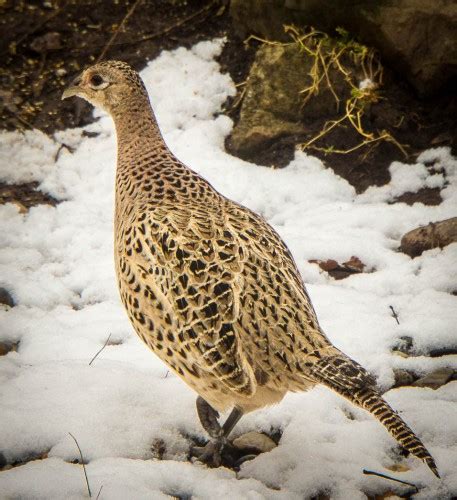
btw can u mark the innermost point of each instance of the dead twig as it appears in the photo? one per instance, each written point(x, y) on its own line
point(63, 146)
point(98, 352)
point(150, 36)
point(178, 24)
point(239, 97)
point(116, 33)
point(82, 462)
point(394, 314)
point(99, 491)
point(373, 473)
point(147, 36)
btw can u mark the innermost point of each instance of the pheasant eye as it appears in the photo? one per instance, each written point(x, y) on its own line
point(96, 80)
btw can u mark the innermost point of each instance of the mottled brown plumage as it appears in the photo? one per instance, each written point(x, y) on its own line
point(209, 285)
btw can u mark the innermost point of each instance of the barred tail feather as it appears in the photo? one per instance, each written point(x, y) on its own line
point(371, 401)
point(352, 381)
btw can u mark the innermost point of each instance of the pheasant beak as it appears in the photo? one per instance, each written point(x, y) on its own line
point(73, 89)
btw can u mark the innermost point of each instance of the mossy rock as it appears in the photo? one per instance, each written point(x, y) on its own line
point(274, 103)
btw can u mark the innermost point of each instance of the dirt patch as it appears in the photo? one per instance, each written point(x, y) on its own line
point(24, 195)
point(427, 196)
point(27, 458)
point(45, 43)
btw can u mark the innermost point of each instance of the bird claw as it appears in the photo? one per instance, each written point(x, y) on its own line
point(244, 458)
point(210, 454)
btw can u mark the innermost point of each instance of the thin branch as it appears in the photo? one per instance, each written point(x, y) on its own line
point(394, 314)
point(133, 41)
point(116, 33)
point(373, 473)
point(178, 24)
point(104, 345)
point(99, 491)
point(82, 462)
point(63, 146)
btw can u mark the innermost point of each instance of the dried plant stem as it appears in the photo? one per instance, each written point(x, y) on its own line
point(116, 33)
point(394, 314)
point(99, 491)
point(373, 473)
point(82, 462)
point(150, 36)
point(327, 58)
point(99, 351)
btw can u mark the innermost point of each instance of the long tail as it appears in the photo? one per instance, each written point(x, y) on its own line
point(352, 381)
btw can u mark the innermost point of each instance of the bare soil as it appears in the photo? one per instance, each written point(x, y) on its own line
point(45, 43)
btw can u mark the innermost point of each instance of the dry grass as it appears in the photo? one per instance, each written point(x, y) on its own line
point(334, 59)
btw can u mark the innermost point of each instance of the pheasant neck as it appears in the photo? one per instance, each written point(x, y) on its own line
point(137, 128)
point(143, 158)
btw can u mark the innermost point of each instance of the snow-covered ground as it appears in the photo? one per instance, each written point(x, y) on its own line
point(58, 264)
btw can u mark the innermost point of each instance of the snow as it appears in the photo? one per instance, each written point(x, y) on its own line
point(367, 84)
point(57, 263)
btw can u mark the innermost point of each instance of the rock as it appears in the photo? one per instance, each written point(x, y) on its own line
point(265, 18)
point(404, 346)
point(403, 377)
point(273, 106)
point(435, 379)
point(322, 495)
point(158, 449)
point(397, 29)
point(436, 234)
point(443, 351)
point(6, 298)
point(388, 495)
point(255, 441)
point(270, 107)
point(6, 347)
point(46, 42)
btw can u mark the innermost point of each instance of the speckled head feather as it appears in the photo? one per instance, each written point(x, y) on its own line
point(130, 75)
point(109, 85)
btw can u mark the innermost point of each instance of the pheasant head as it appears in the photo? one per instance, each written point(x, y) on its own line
point(109, 85)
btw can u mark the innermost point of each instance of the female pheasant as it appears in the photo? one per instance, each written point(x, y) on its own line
point(209, 285)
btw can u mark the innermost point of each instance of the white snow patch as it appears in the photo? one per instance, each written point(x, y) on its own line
point(57, 262)
point(367, 83)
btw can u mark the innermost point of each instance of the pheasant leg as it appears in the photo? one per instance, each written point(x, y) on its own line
point(208, 418)
point(211, 453)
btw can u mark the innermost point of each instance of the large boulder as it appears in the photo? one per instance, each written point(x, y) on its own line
point(271, 103)
point(274, 106)
point(417, 38)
